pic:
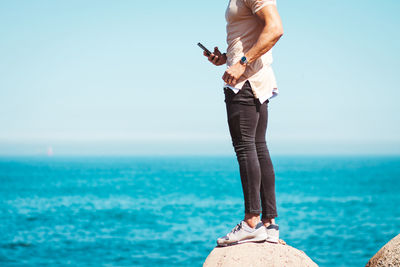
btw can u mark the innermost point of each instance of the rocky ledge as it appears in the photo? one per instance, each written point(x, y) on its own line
point(258, 254)
point(388, 255)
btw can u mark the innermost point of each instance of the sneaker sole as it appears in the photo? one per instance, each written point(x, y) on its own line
point(272, 240)
point(254, 240)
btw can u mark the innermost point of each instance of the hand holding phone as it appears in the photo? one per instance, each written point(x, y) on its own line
point(216, 58)
point(204, 48)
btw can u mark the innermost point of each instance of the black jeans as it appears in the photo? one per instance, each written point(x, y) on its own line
point(247, 120)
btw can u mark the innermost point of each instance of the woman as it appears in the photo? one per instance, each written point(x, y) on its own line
point(253, 28)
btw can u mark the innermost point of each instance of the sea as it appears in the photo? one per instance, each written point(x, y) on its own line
point(169, 210)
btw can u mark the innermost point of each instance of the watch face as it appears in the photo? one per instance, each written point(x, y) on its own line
point(243, 60)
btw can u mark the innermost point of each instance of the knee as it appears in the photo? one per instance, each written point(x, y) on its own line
point(261, 145)
point(244, 146)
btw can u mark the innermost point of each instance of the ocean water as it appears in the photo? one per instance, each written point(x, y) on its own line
point(168, 211)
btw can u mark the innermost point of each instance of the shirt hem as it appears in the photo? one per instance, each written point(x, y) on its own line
point(274, 93)
point(263, 5)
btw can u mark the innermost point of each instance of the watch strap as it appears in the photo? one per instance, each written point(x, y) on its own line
point(243, 61)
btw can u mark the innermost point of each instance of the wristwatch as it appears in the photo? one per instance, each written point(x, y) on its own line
point(243, 61)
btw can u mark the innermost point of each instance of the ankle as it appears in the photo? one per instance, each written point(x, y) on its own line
point(251, 223)
point(252, 219)
point(268, 221)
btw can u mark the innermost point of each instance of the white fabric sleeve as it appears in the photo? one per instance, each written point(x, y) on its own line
point(256, 5)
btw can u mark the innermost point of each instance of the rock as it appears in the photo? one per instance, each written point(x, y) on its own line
point(388, 255)
point(257, 254)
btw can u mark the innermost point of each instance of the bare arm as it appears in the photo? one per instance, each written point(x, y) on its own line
point(271, 33)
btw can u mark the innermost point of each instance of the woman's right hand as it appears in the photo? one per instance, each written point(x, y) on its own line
point(216, 58)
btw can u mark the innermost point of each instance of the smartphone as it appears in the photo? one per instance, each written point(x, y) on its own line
point(204, 48)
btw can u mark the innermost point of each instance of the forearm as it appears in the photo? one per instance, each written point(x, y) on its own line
point(267, 39)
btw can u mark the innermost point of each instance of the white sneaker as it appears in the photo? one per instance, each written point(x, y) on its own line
point(273, 233)
point(242, 233)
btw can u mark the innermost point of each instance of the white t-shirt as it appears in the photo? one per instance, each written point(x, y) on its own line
point(243, 29)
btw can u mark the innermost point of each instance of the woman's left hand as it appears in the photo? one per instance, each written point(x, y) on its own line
point(233, 73)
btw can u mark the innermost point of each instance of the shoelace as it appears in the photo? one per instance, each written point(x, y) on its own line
point(237, 227)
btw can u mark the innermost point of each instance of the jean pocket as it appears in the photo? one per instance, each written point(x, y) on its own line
point(245, 96)
point(229, 94)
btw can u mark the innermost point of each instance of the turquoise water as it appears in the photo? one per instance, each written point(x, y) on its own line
point(168, 211)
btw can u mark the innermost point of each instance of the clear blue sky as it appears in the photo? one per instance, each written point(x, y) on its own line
point(126, 77)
